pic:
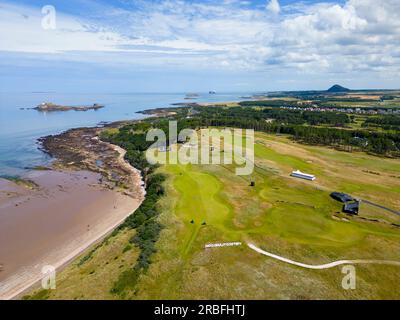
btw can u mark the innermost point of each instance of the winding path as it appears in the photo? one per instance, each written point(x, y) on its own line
point(322, 266)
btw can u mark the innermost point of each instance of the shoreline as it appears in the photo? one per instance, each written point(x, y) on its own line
point(117, 180)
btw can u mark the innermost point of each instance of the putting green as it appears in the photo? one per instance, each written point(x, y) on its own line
point(199, 202)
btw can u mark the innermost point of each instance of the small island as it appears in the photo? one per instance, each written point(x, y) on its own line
point(51, 107)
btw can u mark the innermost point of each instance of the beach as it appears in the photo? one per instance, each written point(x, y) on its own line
point(54, 215)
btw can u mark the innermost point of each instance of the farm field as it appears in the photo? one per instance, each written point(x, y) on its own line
point(289, 217)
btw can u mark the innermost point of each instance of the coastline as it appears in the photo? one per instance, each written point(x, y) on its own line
point(114, 185)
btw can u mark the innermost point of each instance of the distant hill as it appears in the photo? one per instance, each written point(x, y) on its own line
point(337, 88)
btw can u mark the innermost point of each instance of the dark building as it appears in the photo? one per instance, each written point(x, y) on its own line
point(342, 197)
point(352, 208)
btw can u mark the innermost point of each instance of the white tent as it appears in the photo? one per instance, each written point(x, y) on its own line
point(301, 175)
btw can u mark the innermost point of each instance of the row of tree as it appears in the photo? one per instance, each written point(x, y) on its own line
point(380, 143)
point(385, 122)
point(133, 139)
point(282, 116)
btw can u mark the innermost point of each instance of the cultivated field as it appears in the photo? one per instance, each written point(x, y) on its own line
point(292, 218)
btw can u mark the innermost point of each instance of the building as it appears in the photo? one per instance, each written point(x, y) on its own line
point(352, 208)
point(342, 197)
point(301, 175)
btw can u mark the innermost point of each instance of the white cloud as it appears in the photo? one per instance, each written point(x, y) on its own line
point(21, 31)
point(273, 6)
point(357, 36)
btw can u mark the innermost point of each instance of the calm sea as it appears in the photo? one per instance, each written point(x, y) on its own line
point(20, 129)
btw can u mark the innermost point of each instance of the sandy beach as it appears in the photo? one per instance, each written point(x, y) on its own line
point(53, 222)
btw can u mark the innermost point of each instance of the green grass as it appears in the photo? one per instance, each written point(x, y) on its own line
point(290, 217)
point(199, 201)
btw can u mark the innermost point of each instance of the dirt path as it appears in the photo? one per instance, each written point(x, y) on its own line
point(322, 266)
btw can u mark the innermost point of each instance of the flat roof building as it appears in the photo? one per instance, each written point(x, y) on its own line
point(302, 175)
point(352, 208)
point(342, 197)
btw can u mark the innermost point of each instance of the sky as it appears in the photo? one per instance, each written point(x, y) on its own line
point(180, 46)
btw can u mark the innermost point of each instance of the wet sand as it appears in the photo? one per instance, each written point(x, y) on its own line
point(50, 225)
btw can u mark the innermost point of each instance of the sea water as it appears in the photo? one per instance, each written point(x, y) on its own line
point(20, 127)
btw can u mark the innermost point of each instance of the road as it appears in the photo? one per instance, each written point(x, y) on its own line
point(379, 206)
point(322, 266)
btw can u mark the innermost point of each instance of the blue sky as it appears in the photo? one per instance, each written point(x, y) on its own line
point(178, 46)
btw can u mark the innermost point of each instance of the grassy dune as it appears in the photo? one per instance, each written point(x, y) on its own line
point(292, 218)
